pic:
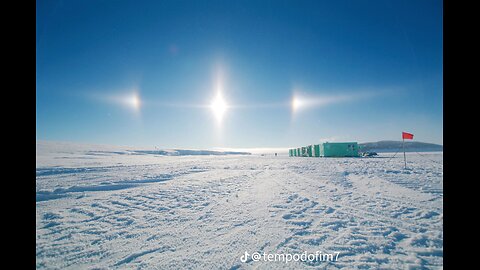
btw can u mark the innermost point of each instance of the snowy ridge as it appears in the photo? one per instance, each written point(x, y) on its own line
point(49, 147)
point(394, 146)
point(185, 152)
point(174, 212)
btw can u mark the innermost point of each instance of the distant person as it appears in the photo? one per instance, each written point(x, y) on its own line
point(275, 154)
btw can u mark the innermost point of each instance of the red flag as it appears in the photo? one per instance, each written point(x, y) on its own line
point(407, 136)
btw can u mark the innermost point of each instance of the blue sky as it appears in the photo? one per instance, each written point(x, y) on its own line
point(145, 73)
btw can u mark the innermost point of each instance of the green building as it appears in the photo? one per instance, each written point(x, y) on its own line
point(316, 150)
point(338, 149)
point(310, 150)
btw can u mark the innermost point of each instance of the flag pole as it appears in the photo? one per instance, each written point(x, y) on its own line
point(404, 156)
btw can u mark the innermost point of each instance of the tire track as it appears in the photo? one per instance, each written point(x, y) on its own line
point(361, 213)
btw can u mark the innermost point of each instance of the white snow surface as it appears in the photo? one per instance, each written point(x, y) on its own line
point(104, 209)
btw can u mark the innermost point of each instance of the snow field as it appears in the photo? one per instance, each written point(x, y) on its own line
point(125, 211)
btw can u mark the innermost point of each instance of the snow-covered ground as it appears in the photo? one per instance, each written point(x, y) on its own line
point(112, 207)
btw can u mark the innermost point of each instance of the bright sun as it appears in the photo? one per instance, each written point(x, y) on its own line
point(133, 101)
point(218, 106)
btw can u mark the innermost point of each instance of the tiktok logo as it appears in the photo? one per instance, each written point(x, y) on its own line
point(244, 258)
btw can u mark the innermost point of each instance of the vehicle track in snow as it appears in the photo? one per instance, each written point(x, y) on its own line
point(219, 208)
point(400, 228)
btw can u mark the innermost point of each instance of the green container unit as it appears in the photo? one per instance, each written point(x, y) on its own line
point(322, 149)
point(304, 151)
point(289, 152)
point(294, 152)
point(339, 149)
point(299, 152)
point(316, 150)
point(310, 150)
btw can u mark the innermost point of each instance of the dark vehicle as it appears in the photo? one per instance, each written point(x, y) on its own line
point(369, 154)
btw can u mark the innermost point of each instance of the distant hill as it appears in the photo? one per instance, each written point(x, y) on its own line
point(52, 147)
point(187, 152)
point(394, 146)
